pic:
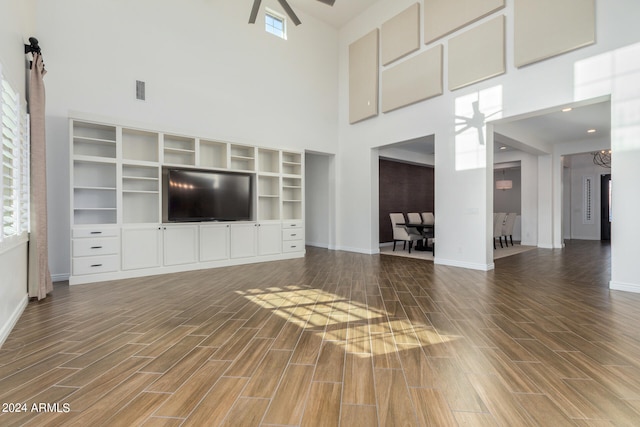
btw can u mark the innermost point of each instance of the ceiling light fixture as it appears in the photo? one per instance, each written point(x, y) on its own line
point(602, 158)
point(504, 184)
point(566, 110)
point(591, 131)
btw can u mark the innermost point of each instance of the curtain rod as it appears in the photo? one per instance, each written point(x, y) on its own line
point(33, 47)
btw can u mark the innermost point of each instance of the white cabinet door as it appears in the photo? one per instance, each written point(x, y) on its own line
point(269, 239)
point(180, 244)
point(214, 242)
point(243, 240)
point(141, 247)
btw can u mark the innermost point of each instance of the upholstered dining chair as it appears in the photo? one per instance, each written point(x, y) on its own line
point(402, 233)
point(414, 218)
point(428, 218)
point(498, 221)
point(507, 227)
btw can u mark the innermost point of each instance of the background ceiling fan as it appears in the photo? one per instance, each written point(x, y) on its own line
point(285, 6)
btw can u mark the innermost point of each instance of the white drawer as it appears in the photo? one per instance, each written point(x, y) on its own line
point(293, 234)
point(293, 246)
point(95, 232)
point(98, 264)
point(292, 224)
point(92, 247)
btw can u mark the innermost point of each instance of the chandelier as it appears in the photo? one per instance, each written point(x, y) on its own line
point(504, 183)
point(602, 158)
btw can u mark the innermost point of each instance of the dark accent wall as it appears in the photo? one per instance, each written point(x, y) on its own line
point(403, 188)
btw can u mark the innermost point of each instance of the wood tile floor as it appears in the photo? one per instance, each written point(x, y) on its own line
point(334, 339)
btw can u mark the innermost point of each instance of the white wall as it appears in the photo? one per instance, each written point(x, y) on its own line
point(463, 213)
point(208, 73)
point(16, 27)
point(507, 200)
point(582, 165)
point(15, 30)
point(319, 196)
point(406, 156)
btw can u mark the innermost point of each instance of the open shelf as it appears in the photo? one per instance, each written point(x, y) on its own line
point(94, 174)
point(94, 140)
point(213, 154)
point(140, 178)
point(179, 150)
point(140, 207)
point(140, 194)
point(139, 145)
point(117, 173)
point(94, 216)
point(291, 209)
point(242, 157)
point(268, 161)
point(268, 197)
point(291, 163)
point(268, 208)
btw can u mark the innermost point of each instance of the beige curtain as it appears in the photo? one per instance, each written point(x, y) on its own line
point(40, 283)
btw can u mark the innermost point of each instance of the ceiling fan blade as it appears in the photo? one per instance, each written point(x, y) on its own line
point(289, 11)
point(328, 2)
point(254, 11)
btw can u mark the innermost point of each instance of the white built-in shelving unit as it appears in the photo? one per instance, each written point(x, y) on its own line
point(116, 203)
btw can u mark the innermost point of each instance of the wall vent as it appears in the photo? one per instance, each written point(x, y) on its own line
point(140, 90)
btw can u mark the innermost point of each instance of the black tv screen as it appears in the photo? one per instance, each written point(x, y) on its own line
point(195, 195)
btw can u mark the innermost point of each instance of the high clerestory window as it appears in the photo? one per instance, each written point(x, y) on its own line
point(275, 24)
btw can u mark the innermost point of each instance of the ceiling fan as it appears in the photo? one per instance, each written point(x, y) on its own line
point(285, 6)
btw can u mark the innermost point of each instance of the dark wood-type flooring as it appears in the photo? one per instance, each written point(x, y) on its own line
point(335, 339)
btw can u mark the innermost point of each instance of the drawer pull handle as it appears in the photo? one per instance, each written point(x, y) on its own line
point(96, 265)
point(293, 234)
point(96, 232)
point(293, 246)
point(96, 247)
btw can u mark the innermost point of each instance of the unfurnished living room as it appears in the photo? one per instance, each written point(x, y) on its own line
point(196, 202)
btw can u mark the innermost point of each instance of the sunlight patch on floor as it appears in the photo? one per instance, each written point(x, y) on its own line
point(360, 329)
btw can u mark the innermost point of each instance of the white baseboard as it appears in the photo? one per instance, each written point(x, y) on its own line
point(317, 245)
point(358, 250)
point(469, 265)
point(627, 287)
point(60, 277)
point(5, 330)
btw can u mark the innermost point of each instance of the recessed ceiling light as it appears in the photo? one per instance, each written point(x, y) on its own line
point(503, 148)
point(566, 110)
point(591, 131)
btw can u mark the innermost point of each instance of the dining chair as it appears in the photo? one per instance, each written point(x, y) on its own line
point(507, 227)
point(429, 235)
point(401, 233)
point(428, 218)
point(414, 218)
point(498, 221)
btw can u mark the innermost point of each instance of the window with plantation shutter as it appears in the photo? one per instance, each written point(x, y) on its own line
point(24, 202)
point(14, 185)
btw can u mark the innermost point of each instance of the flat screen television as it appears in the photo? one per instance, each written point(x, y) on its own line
point(201, 195)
